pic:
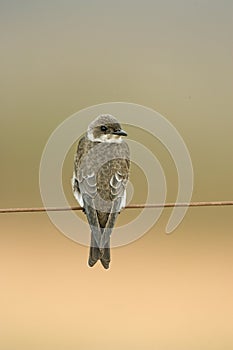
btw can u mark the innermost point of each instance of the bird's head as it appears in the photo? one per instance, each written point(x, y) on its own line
point(105, 128)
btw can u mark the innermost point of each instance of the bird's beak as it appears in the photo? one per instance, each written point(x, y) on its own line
point(119, 133)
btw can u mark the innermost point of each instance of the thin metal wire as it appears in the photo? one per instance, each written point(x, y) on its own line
point(132, 206)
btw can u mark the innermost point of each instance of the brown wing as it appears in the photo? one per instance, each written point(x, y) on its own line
point(101, 172)
point(84, 179)
point(99, 183)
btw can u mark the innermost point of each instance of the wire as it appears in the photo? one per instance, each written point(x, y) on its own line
point(132, 206)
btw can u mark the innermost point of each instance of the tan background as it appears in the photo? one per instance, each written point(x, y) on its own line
point(162, 292)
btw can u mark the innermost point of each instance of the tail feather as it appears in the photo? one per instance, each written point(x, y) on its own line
point(96, 253)
point(105, 258)
point(93, 256)
point(101, 224)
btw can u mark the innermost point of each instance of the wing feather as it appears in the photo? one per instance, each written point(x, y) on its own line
point(101, 190)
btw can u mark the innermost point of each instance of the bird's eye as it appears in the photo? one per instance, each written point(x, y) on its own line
point(103, 128)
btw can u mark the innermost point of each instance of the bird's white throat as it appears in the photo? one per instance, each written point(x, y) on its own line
point(110, 138)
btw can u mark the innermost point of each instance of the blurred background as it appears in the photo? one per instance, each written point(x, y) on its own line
point(163, 291)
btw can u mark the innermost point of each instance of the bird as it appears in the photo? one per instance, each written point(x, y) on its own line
point(101, 173)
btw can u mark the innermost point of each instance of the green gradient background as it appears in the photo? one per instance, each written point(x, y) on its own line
point(162, 292)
